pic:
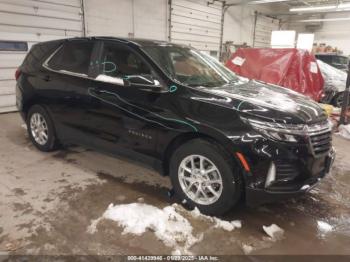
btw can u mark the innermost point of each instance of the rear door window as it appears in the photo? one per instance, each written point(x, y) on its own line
point(72, 57)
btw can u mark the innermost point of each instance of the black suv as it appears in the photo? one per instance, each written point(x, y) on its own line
point(221, 138)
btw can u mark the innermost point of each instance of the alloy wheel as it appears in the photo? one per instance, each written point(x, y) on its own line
point(39, 129)
point(200, 179)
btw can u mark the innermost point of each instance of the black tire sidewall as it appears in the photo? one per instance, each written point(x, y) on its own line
point(229, 171)
point(51, 142)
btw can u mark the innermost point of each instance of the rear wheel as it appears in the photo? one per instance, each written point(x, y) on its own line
point(204, 175)
point(40, 129)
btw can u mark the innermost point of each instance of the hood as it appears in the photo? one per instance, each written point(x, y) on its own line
point(270, 102)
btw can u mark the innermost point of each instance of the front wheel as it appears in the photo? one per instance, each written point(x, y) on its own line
point(204, 175)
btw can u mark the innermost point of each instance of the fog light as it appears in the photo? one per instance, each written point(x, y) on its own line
point(305, 187)
point(271, 175)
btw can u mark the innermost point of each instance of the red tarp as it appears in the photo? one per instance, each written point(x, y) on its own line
point(291, 68)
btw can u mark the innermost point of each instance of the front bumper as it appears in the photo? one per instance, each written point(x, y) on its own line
point(257, 196)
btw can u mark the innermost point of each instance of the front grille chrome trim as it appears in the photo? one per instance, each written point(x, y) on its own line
point(320, 139)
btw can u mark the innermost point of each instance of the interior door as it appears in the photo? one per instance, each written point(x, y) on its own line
point(127, 93)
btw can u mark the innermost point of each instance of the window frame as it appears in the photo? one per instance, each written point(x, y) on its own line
point(65, 72)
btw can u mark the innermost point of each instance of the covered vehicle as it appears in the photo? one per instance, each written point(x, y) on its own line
point(288, 67)
point(335, 82)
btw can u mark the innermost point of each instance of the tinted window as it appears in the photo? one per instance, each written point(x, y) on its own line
point(38, 54)
point(119, 61)
point(73, 57)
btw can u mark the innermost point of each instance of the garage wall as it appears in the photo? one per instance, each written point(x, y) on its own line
point(32, 21)
point(195, 23)
point(334, 33)
point(264, 27)
point(127, 18)
point(239, 23)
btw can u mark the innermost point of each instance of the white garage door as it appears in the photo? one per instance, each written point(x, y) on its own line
point(127, 18)
point(263, 30)
point(32, 21)
point(195, 23)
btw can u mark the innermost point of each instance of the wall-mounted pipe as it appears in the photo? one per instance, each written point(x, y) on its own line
point(84, 26)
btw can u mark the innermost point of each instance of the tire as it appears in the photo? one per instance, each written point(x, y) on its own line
point(229, 172)
point(47, 143)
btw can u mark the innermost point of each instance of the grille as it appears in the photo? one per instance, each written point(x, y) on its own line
point(321, 143)
point(320, 138)
point(285, 170)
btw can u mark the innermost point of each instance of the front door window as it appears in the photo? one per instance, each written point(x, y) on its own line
point(118, 63)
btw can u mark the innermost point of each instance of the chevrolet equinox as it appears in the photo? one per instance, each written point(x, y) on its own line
point(221, 138)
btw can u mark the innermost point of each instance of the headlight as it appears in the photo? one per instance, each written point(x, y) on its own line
point(278, 131)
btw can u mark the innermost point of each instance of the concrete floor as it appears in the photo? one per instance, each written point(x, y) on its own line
point(47, 202)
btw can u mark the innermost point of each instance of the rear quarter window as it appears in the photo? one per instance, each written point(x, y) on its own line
point(37, 55)
point(72, 57)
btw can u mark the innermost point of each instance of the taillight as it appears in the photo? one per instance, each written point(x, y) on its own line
point(18, 73)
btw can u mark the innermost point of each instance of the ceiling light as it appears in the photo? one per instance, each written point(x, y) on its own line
point(313, 8)
point(266, 1)
point(341, 6)
point(325, 20)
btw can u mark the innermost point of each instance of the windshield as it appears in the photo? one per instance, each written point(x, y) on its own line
point(190, 67)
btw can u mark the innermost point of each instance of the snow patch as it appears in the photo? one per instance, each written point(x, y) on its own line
point(218, 223)
point(274, 231)
point(324, 227)
point(92, 229)
point(247, 249)
point(24, 126)
point(170, 227)
point(344, 131)
point(141, 200)
point(168, 224)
